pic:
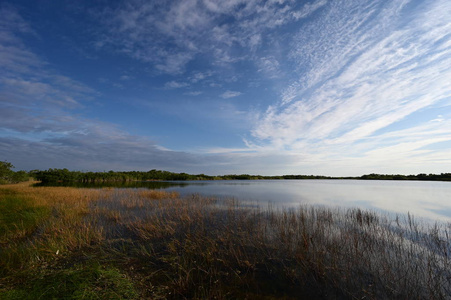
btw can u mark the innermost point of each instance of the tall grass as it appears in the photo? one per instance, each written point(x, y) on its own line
point(136, 243)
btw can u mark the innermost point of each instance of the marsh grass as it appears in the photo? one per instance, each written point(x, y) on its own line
point(90, 281)
point(134, 243)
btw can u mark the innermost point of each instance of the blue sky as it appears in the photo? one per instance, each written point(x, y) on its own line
point(219, 87)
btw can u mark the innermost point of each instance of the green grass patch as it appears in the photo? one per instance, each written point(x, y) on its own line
point(18, 215)
point(79, 282)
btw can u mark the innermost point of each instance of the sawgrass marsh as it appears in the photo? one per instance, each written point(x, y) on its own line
point(76, 243)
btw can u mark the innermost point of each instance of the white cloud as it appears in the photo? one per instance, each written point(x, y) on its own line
point(126, 77)
point(200, 76)
point(254, 41)
point(230, 94)
point(270, 66)
point(174, 63)
point(308, 9)
point(223, 150)
point(194, 93)
point(175, 85)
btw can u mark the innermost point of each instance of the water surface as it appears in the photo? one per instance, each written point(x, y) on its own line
point(428, 199)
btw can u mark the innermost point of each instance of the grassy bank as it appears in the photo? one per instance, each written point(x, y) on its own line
point(132, 244)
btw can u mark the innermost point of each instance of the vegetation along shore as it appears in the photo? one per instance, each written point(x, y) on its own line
point(75, 243)
point(7, 175)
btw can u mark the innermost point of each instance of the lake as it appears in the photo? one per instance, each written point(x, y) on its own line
point(426, 199)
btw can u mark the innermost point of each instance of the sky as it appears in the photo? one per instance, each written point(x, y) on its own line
point(340, 88)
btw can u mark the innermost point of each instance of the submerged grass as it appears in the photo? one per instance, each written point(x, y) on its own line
point(68, 243)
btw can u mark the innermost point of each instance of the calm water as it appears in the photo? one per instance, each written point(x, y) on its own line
point(428, 199)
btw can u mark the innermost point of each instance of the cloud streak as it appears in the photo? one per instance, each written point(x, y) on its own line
point(378, 73)
point(230, 94)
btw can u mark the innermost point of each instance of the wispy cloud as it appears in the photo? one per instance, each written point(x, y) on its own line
point(230, 94)
point(195, 93)
point(270, 66)
point(175, 85)
point(14, 57)
point(308, 9)
point(172, 34)
point(200, 76)
point(126, 77)
point(375, 71)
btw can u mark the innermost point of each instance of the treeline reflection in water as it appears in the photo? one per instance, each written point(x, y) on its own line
point(117, 184)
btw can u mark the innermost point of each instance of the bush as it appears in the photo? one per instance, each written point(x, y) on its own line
point(9, 176)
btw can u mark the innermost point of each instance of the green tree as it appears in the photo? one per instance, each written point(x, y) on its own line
point(19, 176)
point(5, 171)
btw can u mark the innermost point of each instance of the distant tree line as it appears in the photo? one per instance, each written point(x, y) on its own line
point(422, 176)
point(64, 175)
point(7, 175)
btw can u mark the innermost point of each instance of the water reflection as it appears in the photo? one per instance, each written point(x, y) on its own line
point(423, 199)
point(127, 184)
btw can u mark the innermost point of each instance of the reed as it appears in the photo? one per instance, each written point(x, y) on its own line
point(136, 243)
